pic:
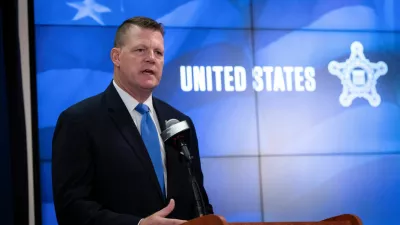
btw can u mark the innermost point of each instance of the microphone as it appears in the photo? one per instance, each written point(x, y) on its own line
point(177, 134)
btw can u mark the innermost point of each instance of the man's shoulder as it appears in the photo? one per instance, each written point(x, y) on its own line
point(169, 109)
point(86, 108)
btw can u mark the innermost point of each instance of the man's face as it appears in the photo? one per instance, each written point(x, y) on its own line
point(141, 59)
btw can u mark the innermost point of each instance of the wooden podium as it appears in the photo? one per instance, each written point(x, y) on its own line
point(346, 219)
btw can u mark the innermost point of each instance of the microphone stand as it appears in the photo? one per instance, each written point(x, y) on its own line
point(195, 186)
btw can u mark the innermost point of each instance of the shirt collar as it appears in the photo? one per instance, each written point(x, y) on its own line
point(130, 102)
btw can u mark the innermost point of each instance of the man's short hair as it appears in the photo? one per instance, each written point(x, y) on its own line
point(140, 21)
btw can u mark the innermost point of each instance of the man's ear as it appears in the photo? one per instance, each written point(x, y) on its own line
point(115, 52)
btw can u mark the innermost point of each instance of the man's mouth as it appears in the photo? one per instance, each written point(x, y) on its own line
point(148, 72)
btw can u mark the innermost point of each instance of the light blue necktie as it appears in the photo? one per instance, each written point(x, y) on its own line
point(150, 137)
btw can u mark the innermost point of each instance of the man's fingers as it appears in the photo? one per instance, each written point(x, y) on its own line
point(172, 221)
point(167, 210)
point(159, 217)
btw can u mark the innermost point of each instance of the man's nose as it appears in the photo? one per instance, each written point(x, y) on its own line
point(150, 57)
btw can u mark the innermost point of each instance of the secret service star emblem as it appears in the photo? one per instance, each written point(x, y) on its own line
point(358, 76)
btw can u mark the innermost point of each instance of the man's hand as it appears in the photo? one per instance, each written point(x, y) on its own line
point(158, 218)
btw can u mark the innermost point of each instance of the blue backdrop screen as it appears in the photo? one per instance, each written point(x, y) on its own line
point(296, 103)
point(347, 15)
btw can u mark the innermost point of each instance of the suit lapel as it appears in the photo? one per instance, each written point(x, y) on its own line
point(123, 120)
point(162, 117)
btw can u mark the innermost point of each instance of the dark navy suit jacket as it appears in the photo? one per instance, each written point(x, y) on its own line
point(102, 173)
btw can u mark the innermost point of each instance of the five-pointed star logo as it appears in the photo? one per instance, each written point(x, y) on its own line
point(89, 8)
point(359, 76)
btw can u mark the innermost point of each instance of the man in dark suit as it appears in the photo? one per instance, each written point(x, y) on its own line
point(110, 165)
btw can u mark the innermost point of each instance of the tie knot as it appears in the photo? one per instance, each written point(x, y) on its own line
point(142, 108)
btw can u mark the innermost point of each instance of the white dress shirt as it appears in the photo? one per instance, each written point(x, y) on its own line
point(131, 104)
